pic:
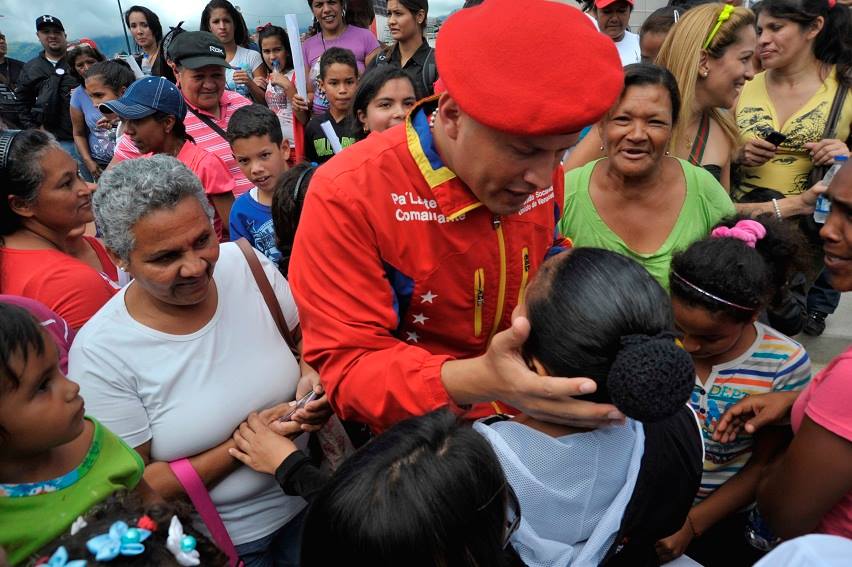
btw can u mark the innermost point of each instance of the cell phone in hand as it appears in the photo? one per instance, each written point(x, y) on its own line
point(774, 137)
point(305, 400)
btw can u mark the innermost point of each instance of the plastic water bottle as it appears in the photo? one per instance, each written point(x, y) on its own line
point(243, 89)
point(276, 68)
point(276, 98)
point(823, 205)
point(759, 534)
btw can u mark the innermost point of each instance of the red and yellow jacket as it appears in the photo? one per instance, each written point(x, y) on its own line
point(397, 268)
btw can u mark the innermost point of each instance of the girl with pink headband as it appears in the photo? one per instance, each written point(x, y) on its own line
point(720, 286)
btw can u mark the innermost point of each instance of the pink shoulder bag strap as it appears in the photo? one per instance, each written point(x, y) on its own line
point(200, 497)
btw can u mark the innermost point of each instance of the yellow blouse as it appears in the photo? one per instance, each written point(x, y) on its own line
point(788, 171)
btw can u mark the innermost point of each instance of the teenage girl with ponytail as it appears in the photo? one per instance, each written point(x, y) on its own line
point(720, 286)
point(589, 496)
point(602, 496)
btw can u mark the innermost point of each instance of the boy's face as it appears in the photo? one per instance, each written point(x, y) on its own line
point(261, 160)
point(339, 84)
point(44, 411)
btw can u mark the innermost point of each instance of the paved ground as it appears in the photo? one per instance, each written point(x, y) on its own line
point(837, 336)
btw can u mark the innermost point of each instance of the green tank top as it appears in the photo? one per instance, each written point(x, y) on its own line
point(33, 515)
point(706, 203)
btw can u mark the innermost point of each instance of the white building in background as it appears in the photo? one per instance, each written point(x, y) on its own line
point(641, 10)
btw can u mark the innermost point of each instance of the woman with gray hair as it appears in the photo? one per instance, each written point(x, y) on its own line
point(183, 354)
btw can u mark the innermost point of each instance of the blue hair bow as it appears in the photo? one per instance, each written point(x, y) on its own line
point(121, 540)
point(60, 559)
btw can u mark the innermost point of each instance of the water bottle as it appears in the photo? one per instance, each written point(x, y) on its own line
point(759, 534)
point(823, 205)
point(276, 68)
point(243, 89)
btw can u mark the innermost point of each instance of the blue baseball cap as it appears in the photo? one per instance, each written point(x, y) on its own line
point(146, 96)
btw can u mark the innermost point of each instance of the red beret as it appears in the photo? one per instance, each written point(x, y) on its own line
point(530, 68)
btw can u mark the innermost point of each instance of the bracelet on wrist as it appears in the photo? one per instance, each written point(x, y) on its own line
point(777, 208)
point(695, 532)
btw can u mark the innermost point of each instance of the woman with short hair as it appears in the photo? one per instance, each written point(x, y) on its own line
point(153, 111)
point(639, 201)
point(194, 307)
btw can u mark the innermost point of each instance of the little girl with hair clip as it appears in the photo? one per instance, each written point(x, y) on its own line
point(720, 286)
point(123, 530)
point(55, 463)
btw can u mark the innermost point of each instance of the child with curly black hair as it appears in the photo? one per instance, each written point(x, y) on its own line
point(720, 286)
point(122, 530)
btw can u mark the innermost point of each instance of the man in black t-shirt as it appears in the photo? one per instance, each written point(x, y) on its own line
point(45, 84)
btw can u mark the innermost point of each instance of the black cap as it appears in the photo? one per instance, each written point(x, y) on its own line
point(47, 21)
point(195, 49)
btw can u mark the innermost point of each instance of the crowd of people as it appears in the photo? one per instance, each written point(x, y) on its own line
point(471, 304)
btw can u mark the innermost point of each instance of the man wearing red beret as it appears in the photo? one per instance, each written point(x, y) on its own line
point(416, 244)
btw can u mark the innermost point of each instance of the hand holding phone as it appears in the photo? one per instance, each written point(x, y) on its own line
point(305, 400)
point(774, 137)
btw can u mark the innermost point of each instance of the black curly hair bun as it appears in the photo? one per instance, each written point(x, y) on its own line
point(651, 377)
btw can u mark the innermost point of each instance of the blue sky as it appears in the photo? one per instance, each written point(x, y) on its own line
point(100, 17)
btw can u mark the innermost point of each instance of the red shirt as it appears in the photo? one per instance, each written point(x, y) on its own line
point(64, 284)
point(205, 137)
point(398, 268)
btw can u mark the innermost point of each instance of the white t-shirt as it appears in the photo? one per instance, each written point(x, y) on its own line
point(628, 48)
point(278, 103)
point(188, 393)
point(246, 59)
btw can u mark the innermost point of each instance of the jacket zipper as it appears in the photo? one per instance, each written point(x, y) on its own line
point(478, 300)
point(525, 274)
point(501, 288)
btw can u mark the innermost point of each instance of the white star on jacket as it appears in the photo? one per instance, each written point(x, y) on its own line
point(412, 336)
point(420, 318)
point(428, 297)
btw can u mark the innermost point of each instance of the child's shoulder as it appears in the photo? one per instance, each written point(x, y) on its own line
point(777, 344)
point(247, 206)
point(318, 119)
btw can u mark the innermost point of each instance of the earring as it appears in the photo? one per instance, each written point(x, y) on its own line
point(668, 153)
point(705, 73)
point(601, 148)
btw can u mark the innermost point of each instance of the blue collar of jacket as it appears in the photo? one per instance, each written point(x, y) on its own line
point(453, 196)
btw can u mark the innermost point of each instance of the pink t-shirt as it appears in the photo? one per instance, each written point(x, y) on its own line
point(826, 402)
point(205, 137)
point(361, 42)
